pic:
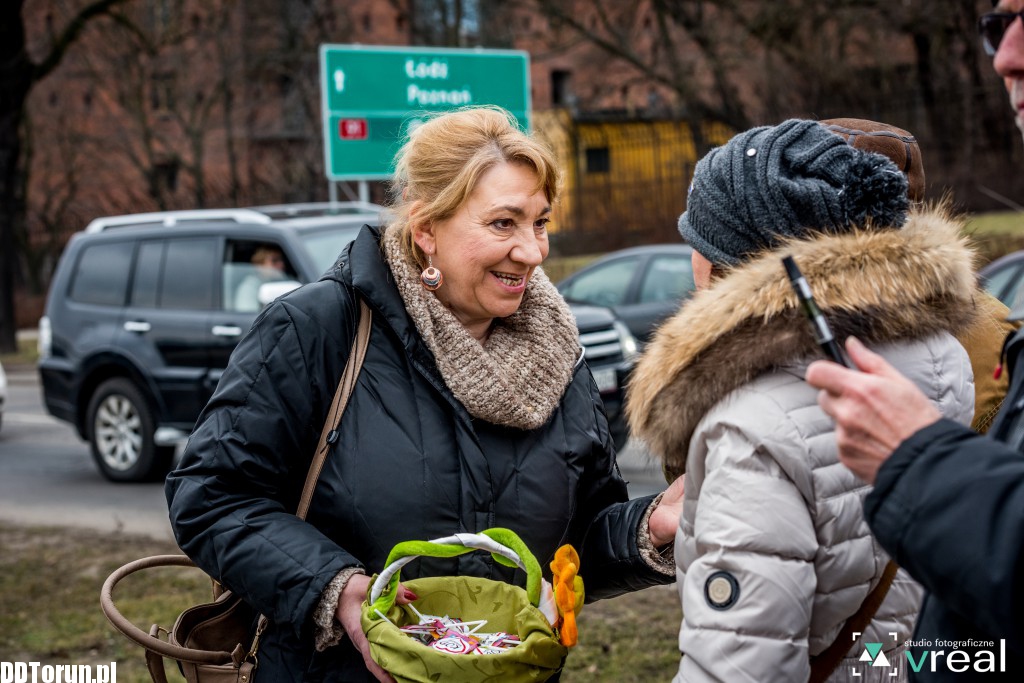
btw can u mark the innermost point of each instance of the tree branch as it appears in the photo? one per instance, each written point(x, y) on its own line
point(70, 34)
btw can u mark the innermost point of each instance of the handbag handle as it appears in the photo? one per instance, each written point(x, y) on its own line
point(504, 545)
point(328, 436)
point(134, 633)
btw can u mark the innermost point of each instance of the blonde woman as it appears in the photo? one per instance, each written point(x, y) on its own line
point(473, 410)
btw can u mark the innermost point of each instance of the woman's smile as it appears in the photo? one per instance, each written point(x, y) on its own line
point(513, 283)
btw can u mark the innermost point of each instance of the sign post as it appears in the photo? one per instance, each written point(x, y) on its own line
point(373, 96)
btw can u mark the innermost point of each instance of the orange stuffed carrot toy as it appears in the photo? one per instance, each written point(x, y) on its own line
point(568, 589)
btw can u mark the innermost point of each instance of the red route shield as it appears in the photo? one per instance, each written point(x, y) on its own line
point(352, 129)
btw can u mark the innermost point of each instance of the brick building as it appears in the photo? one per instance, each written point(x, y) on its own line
point(189, 103)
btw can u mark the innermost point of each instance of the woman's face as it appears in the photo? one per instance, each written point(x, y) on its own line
point(488, 249)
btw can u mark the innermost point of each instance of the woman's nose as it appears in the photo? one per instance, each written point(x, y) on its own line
point(528, 250)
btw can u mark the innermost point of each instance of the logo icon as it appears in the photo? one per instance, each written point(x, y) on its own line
point(873, 653)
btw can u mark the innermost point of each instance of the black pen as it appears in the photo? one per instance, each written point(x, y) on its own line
point(822, 332)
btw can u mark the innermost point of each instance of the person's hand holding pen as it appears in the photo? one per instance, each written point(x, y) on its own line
point(875, 409)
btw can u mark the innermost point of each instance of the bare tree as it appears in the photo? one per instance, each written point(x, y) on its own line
point(688, 50)
point(284, 137)
point(53, 190)
point(169, 85)
point(18, 75)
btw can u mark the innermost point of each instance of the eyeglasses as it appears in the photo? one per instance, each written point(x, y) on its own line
point(993, 27)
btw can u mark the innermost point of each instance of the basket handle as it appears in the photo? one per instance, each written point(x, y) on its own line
point(134, 633)
point(504, 545)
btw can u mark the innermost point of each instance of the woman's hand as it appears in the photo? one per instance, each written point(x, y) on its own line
point(348, 615)
point(664, 521)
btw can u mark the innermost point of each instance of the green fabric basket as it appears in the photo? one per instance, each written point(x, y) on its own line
point(506, 608)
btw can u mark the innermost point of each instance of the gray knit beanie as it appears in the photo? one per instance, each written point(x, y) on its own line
point(777, 182)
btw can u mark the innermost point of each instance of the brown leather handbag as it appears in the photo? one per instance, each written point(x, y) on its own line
point(216, 642)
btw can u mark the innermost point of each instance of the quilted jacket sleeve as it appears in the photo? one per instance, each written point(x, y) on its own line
point(948, 506)
point(232, 501)
point(607, 521)
point(747, 571)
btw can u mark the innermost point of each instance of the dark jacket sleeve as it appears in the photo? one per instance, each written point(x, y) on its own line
point(232, 501)
point(948, 506)
point(610, 559)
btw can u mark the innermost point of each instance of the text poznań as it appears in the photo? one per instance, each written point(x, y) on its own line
point(34, 672)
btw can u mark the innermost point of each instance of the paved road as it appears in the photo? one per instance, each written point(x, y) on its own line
point(47, 476)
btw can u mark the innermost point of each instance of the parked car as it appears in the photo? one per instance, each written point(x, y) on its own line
point(144, 311)
point(610, 351)
point(1003, 278)
point(3, 393)
point(641, 285)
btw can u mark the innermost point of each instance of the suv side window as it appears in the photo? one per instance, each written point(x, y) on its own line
point(175, 274)
point(101, 277)
point(148, 270)
point(187, 281)
point(247, 265)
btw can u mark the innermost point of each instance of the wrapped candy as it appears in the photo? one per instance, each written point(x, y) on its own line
point(458, 637)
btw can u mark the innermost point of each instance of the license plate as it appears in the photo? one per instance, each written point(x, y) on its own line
point(606, 380)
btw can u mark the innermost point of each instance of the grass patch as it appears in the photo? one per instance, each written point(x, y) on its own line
point(633, 638)
point(49, 609)
point(27, 354)
point(996, 223)
point(49, 597)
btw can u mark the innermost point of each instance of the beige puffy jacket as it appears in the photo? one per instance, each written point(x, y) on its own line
point(773, 554)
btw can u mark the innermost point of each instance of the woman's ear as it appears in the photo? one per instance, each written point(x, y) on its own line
point(422, 230)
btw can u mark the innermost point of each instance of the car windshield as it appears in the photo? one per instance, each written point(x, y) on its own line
point(324, 246)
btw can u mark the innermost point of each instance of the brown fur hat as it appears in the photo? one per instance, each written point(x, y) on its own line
point(881, 138)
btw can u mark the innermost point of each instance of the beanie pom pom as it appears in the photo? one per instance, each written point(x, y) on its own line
point(875, 189)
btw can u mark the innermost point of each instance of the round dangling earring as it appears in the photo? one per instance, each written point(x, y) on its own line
point(431, 276)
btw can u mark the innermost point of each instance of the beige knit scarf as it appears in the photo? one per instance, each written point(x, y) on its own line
point(518, 376)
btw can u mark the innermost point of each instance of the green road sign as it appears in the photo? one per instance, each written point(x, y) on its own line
point(372, 96)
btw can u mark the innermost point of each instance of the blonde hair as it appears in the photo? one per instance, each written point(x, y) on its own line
point(443, 160)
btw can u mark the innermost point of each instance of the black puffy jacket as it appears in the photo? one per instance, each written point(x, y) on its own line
point(948, 506)
point(410, 463)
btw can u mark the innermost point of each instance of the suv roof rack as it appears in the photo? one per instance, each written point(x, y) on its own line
point(311, 209)
point(168, 219)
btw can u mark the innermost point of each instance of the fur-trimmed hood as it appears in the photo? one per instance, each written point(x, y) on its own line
point(879, 285)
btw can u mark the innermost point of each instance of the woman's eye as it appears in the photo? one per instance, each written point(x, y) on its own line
point(542, 224)
point(504, 223)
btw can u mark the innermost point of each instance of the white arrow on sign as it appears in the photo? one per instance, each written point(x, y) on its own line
point(339, 80)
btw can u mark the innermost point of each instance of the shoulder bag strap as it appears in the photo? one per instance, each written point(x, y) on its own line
point(330, 431)
point(828, 661)
point(329, 434)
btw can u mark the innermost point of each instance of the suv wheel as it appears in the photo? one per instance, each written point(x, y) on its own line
point(121, 430)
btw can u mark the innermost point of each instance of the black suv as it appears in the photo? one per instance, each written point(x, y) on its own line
point(144, 311)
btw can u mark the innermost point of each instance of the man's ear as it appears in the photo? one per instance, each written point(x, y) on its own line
point(422, 230)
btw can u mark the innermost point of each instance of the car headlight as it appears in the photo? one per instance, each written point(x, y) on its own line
point(630, 348)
